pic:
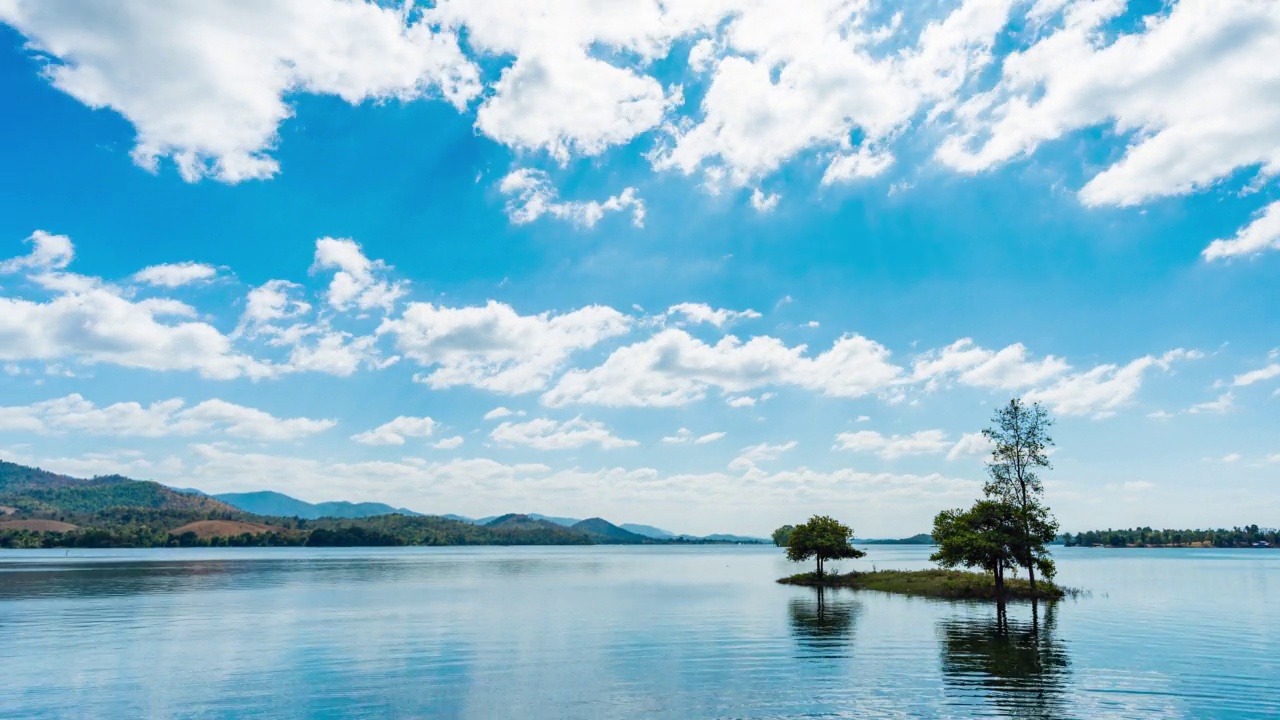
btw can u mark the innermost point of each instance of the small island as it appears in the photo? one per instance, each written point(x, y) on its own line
point(934, 583)
point(1009, 529)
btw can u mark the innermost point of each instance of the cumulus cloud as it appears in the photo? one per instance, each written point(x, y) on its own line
point(172, 275)
point(395, 431)
point(495, 348)
point(1100, 391)
point(74, 413)
point(548, 434)
point(531, 196)
point(357, 281)
point(673, 368)
point(750, 457)
point(703, 313)
point(924, 442)
point(48, 252)
point(204, 84)
point(970, 444)
point(966, 362)
point(685, 436)
point(448, 443)
point(1263, 233)
point(1223, 403)
point(1260, 375)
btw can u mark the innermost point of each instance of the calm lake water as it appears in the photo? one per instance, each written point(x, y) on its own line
point(625, 632)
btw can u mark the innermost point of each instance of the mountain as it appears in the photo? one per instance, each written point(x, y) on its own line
point(32, 491)
point(266, 502)
point(724, 538)
point(564, 521)
point(648, 531)
point(603, 531)
point(920, 539)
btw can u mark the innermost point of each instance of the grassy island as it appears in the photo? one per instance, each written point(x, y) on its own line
point(935, 583)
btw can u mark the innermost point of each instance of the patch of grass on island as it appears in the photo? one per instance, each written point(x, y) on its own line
point(935, 583)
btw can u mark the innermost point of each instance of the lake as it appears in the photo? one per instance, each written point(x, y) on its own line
point(621, 632)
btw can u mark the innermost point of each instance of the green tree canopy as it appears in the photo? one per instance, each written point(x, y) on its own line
point(823, 538)
point(994, 535)
point(782, 535)
point(1020, 444)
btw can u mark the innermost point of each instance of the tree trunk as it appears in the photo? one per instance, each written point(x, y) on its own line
point(819, 566)
point(1031, 574)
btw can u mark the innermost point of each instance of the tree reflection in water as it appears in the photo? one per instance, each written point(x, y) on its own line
point(1019, 667)
point(823, 623)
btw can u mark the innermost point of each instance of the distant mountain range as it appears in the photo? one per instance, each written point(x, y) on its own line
point(267, 502)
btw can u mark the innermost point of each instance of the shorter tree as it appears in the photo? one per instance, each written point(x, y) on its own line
point(823, 538)
point(993, 535)
point(782, 535)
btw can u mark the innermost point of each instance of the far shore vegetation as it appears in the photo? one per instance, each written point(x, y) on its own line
point(1250, 536)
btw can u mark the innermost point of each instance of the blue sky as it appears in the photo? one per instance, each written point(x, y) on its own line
point(723, 264)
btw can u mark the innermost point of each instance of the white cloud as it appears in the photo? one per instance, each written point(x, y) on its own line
point(1263, 233)
point(205, 83)
point(796, 78)
point(1104, 389)
point(1006, 369)
point(358, 281)
point(548, 434)
point(495, 348)
point(172, 275)
point(1231, 458)
point(271, 302)
point(924, 442)
point(1194, 88)
point(970, 444)
point(1223, 403)
point(762, 202)
point(750, 457)
point(531, 195)
point(703, 313)
point(395, 431)
point(500, 412)
point(673, 368)
point(74, 413)
point(684, 436)
point(864, 163)
point(1259, 375)
point(448, 443)
point(48, 252)
point(99, 326)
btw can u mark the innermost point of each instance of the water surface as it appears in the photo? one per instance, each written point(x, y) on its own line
point(601, 632)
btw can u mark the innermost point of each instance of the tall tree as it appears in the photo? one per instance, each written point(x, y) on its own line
point(994, 535)
point(782, 536)
point(823, 538)
point(1020, 439)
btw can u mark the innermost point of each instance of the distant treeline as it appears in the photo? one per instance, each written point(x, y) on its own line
point(1248, 536)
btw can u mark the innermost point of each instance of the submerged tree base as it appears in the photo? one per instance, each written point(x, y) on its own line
point(949, 584)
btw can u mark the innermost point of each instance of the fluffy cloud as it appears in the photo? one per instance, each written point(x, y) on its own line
point(1260, 375)
point(548, 434)
point(494, 347)
point(684, 436)
point(924, 442)
point(99, 326)
point(531, 196)
point(751, 457)
point(172, 275)
point(205, 83)
point(48, 252)
point(1098, 392)
point(357, 281)
point(395, 431)
point(673, 368)
point(1006, 369)
point(74, 413)
point(449, 443)
point(1223, 403)
point(703, 313)
point(1194, 88)
point(970, 444)
point(1261, 234)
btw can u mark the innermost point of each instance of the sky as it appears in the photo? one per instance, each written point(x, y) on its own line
point(713, 266)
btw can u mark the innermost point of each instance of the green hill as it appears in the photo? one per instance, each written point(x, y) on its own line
point(603, 531)
point(35, 491)
point(266, 502)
